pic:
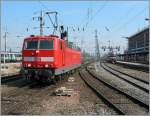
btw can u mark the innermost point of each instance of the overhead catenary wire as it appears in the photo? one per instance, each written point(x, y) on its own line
point(131, 20)
point(86, 18)
point(97, 12)
point(126, 15)
point(46, 8)
point(43, 5)
point(89, 19)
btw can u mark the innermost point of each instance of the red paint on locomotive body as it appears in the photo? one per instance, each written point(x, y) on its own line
point(50, 53)
point(34, 56)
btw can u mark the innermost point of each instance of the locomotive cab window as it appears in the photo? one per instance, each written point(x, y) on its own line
point(39, 44)
point(46, 44)
point(31, 44)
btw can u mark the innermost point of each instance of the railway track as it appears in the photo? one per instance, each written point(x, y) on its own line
point(134, 66)
point(130, 79)
point(120, 101)
point(23, 86)
point(137, 78)
point(29, 93)
point(10, 78)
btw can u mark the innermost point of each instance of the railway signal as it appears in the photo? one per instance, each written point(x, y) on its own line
point(110, 48)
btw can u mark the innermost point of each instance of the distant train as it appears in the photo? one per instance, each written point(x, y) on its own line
point(47, 58)
point(11, 57)
point(111, 59)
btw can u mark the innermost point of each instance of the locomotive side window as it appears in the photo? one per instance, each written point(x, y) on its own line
point(46, 44)
point(31, 44)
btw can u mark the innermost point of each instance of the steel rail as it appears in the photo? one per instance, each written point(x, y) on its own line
point(146, 105)
point(144, 81)
point(106, 100)
point(134, 84)
point(10, 78)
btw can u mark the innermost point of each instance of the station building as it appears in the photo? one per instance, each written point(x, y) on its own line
point(139, 42)
point(138, 47)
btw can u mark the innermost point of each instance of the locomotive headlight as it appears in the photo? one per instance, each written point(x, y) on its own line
point(29, 65)
point(37, 51)
point(46, 65)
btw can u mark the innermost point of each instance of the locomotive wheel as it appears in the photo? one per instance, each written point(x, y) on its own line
point(72, 72)
point(32, 79)
point(60, 77)
point(57, 78)
point(65, 76)
point(53, 81)
point(68, 75)
point(29, 78)
point(48, 81)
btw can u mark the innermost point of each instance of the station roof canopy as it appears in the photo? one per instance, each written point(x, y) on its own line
point(146, 52)
point(139, 32)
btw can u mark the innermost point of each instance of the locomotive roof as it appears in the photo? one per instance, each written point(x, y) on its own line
point(69, 44)
point(42, 37)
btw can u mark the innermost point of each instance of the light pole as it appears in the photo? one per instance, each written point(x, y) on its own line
point(126, 52)
point(126, 38)
point(97, 46)
point(19, 36)
point(5, 37)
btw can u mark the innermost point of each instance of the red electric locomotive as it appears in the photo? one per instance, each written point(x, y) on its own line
point(45, 57)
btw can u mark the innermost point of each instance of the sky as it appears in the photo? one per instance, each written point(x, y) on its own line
point(112, 19)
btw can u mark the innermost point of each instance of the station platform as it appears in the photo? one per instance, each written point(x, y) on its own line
point(134, 65)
